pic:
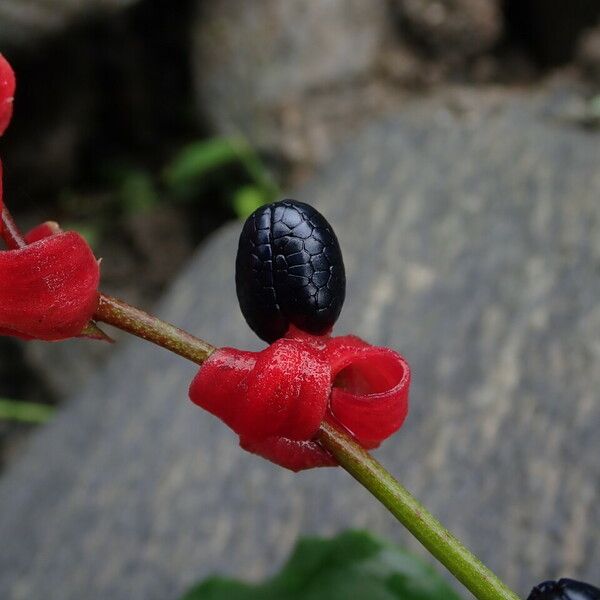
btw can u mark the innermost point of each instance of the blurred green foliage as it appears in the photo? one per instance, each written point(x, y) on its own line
point(183, 176)
point(24, 412)
point(353, 565)
point(196, 160)
point(219, 174)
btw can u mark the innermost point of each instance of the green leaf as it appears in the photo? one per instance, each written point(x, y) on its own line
point(247, 199)
point(24, 412)
point(352, 565)
point(197, 159)
point(184, 174)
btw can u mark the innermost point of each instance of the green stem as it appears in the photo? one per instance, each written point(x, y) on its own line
point(137, 322)
point(462, 563)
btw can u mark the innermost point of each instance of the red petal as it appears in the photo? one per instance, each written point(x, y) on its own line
point(7, 92)
point(48, 290)
point(370, 389)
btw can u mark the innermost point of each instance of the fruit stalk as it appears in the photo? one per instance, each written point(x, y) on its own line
point(148, 327)
point(464, 565)
point(461, 562)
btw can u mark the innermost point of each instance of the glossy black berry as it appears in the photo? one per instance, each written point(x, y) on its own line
point(564, 589)
point(289, 270)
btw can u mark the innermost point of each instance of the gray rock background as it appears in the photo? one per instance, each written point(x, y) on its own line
point(471, 235)
point(295, 78)
point(256, 75)
point(461, 27)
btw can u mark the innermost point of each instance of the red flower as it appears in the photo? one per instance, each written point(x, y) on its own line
point(276, 399)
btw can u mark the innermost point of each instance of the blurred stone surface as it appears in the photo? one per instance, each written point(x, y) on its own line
point(233, 35)
point(472, 245)
point(588, 54)
point(260, 67)
point(23, 22)
point(296, 78)
point(461, 28)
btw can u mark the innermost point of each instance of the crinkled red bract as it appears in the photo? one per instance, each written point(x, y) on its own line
point(7, 92)
point(276, 399)
point(41, 231)
point(48, 289)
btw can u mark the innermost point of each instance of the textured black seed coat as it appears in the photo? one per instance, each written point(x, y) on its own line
point(289, 270)
point(564, 589)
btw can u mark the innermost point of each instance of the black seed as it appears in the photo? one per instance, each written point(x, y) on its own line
point(564, 589)
point(313, 246)
point(320, 278)
point(289, 270)
point(298, 259)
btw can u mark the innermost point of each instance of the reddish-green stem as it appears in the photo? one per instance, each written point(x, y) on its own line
point(137, 322)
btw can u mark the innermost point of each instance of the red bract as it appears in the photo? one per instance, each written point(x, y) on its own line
point(276, 399)
point(48, 289)
point(41, 231)
point(7, 92)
